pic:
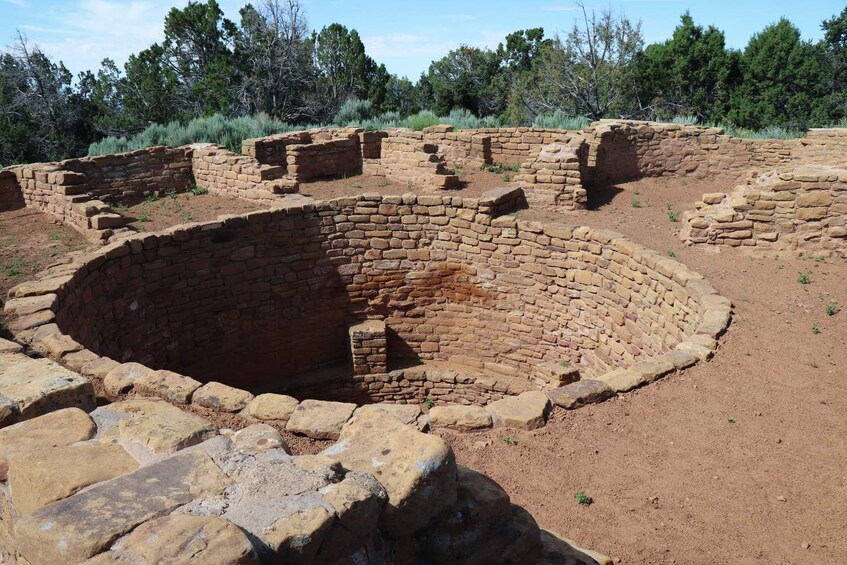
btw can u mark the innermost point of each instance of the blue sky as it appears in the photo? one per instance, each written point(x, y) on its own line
point(404, 34)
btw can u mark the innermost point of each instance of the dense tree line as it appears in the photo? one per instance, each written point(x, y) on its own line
point(270, 63)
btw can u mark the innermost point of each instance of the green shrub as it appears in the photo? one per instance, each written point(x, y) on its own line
point(353, 112)
point(462, 118)
point(685, 120)
point(559, 120)
point(421, 120)
point(212, 129)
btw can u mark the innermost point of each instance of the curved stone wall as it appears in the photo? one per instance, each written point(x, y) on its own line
point(256, 299)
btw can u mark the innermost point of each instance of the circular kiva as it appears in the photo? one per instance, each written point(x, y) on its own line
point(432, 300)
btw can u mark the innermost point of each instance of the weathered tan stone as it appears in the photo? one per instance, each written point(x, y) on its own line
point(296, 539)
point(320, 419)
point(586, 391)
point(85, 524)
point(259, 437)
point(38, 386)
point(357, 501)
point(59, 428)
point(168, 385)
point(221, 397)
point(557, 374)
point(185, 539)
point(622, 380)
point(653, 368)
point(417, 470)
point(7, 346)
point(40, 476)
point(526, 411)
point(272, 407)
point(159, 426)
point(121, 378)
point(409, 414)
point(460, 418)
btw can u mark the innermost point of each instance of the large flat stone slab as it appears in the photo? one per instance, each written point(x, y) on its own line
point(582, 392)
point(168, 385)
point(39, 386)
point(460, 418)
point(417, 470)
point(272, 407)
point(527, 411)
point(409, 414)
point(182, 539)
point(121, 378)
point(622, 380)
point(79, 527)
point(222, 397)
point(556, 550)
point(159, 426)
point(320, 419)
point(42, 476)
point(59, 428)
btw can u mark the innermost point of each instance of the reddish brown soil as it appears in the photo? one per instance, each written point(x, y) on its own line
point(30, 242)
point(166, 211)
point(691, 469)
point(474, 183)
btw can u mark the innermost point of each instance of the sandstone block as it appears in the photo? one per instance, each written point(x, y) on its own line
point(357, 501)
point(259, 437)
point(120, 379)
point(272, 407)
point(7, 346)
point(652, 368)
point(320, 419)
point(38, 386)
point(183, 539)
point(417, 470)
point(85, 524)
point(460, 418)
point(586, 391)
point(296, 539)
point(526, 411)
point(622, 380)
point(221, 397)
point(168, 385)
point(41, 476)
point(59, 428)
point(557, 550)
point(409, 414)
point(159, 426)
point(557, 374)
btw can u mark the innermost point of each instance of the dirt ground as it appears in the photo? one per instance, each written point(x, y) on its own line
point(30, 242)
point(742, 459)
point(473, 183)
point(169, 210)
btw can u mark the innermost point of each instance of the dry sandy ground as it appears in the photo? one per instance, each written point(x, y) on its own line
point(739, 460)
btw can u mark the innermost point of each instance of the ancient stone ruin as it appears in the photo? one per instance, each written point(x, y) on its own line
point(364, 322)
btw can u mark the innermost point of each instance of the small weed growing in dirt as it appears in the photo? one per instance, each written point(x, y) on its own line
point(583, 498)
point(509, 440)
point(15, 268)
point(171, 193)
point(384, 182)
point(731, 420)
point(429, 403)
point(507, 177)
point(814, 365)
point(499, 168)
point(636, 203)
point(357, 185)
point(55, 236)
point(832, 309)
point(119, 206)
point(818, 258)
point(672, 254)
point(565, 363)
point(816, 329)
point(637, 192)
point(145, 217)
point(673, 216)
point(198, 190)
point(151, 198)
point(804, 278)
point(669, 206)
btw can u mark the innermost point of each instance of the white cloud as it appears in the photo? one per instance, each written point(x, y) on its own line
point(87, 31)
point(18, 3)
